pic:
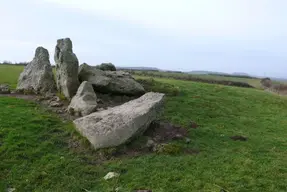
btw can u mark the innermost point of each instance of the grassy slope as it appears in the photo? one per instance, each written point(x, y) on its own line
point(35, 155)
point(36, 151)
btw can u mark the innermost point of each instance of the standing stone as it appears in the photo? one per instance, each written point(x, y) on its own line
point(67, 66)
point(85, 101)
point(38, 76)
point(118, 125)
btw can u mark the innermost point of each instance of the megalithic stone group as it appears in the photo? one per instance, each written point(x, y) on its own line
point(38, 76)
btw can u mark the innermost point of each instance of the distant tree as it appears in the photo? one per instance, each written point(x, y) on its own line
point(106, 67)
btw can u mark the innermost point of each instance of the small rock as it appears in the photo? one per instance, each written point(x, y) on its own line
point(60, 111)
point(111, 175)
point(11, 189)
point(56, 104)
point(238, 138)
point(56, 98)
point(187, 140)
point(150, 143)
point(178, 136)
point(5, 89)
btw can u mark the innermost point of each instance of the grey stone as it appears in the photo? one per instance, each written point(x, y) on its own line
point(38, 76)
point(118, 125)
point(67, 66)
point(55, 104)
point(111, 175)
point(5, 89)
point(118, 82)
point(150, 143)
point(85, 101)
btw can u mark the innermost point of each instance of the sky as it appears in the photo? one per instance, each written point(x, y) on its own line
point(215, 35)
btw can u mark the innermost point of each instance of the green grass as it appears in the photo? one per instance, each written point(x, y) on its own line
point(36, 152)
point(9, 74)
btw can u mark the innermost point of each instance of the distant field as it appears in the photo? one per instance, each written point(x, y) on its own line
point(9, 74)
point(184, 76)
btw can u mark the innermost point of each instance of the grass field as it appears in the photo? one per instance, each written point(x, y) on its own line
point(36, 152)
point(9, 74)
point(251, 81)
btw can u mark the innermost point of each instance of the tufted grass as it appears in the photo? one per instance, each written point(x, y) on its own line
point(37, 150)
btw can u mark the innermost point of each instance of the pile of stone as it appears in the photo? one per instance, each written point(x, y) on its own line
point(80, 85)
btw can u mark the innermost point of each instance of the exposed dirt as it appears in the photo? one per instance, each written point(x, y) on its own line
point(238, 138)
point(164, 131)
point(109, 100)
point(193, 125)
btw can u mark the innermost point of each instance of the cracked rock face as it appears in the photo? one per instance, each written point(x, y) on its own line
point(38, 75)
point(67, 66)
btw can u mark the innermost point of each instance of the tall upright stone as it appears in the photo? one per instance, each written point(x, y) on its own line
point(38, 76)
point(67, 66)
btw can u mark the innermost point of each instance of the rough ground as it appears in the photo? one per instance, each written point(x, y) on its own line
point(158, 134)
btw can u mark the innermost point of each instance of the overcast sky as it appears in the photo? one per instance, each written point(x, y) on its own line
point(219, 35)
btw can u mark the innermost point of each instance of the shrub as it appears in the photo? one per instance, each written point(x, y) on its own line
point(106, 67)
point(156, 86)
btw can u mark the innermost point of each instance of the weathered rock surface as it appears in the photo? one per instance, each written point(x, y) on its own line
point(5, 89)
point(85, 101)
point(37, 75)
point(106, 67)
point(67, 66)
point(120, 124)
point(118, 82)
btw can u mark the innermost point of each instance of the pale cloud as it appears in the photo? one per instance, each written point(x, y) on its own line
point(226, 18)
point(222, 35)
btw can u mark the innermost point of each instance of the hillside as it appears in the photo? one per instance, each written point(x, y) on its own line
point(39, 152)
